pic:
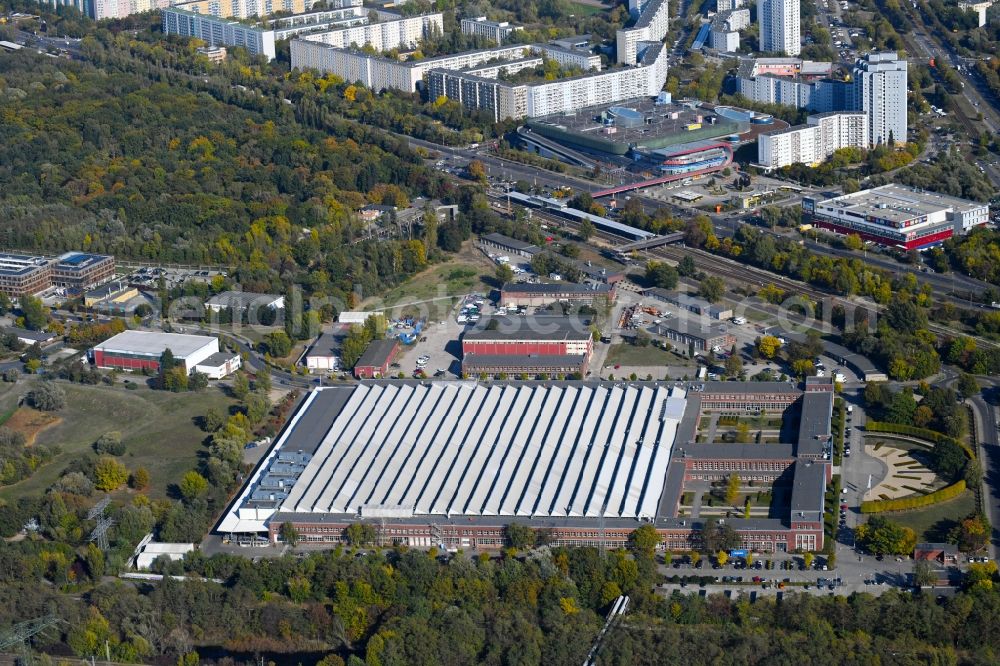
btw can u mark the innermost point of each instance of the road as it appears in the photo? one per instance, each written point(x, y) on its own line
point(984, 408)
point(974, 91)
point(44, 43)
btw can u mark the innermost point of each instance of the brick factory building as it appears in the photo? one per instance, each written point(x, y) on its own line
point(527, 345)
point(535, 295)
point(451, 464)
point(375, 361)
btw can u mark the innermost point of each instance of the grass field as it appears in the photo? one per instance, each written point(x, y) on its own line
point(634, 356)
point(462, 275)
point(934, 522)
point(159, 429)
point(581, 9)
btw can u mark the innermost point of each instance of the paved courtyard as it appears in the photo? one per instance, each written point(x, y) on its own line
point(904, 474)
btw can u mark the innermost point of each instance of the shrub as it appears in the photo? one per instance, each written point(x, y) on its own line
point(913, 431)
point(906, 503)
point(110, 443)
point(139, 479)
point(47, 397)
point(109, 474)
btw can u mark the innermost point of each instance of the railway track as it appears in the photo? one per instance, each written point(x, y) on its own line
point(739, 273)
point(727, 268)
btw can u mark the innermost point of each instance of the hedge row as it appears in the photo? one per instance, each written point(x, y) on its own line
point(904, 503)
point(922, 433)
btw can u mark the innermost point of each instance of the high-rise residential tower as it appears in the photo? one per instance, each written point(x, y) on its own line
point(880, 91)
point(780, 31)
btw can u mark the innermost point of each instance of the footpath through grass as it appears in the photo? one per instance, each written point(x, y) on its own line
point(160, 431)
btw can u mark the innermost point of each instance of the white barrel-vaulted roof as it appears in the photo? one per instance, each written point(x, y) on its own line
point(462, 448)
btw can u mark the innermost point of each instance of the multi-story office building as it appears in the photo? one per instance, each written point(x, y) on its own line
point(651, 26)
point(391, 32)
point(81, 270)
point(880, 91)
point(780, 31)
point(813, 142)
point(498, 32)
point(24, 275)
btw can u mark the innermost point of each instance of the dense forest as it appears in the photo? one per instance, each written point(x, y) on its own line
point(130, 155)
point(398, 607)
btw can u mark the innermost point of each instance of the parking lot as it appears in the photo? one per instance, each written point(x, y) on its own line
point(149, 276)
point(440, 343)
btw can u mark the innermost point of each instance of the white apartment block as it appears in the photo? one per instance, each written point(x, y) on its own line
point(728, 5)
point(385, 35)
point(724, 41)
point(976, 6)
point(258, 41)
point(645, 80)
point(725, 36)
point(780, 30)
point(651, 26)
point(813, 142)
point(218, 32)
point(373, 72)
point(737, 19)
point(880, 91)
point(492, 30)
point(380, 73)
point(506, 100)
point(244, 9)
point(580, 58)
point(113, 9)
point(777, 90)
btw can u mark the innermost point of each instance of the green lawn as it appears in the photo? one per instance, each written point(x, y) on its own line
point(581, 9)
point(8, 400)
point(934, 522)
point(450, 278)
point(631, 355)
point(159, 429)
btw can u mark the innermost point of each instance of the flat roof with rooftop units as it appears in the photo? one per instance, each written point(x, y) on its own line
point(897, 215)
point(645, 123)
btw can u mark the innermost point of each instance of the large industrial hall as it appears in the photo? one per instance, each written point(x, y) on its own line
point(452, 463)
